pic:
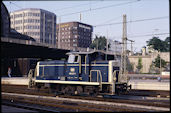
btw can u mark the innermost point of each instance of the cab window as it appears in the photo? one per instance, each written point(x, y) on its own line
point(76, 59)
point(73, 59)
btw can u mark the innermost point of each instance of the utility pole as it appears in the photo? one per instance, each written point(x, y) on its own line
point(160, 65)
point(131, 46)
point(80, 17)
point(124, 48)
point(106, 44)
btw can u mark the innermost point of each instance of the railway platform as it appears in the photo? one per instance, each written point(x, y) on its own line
point(136, 83)
point(150, 84)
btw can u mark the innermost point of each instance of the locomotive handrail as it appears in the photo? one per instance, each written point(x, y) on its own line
point(101, 80)
point(85, 64)
point(98, 73)
point(114, 81)
point(79, 64)
point(114, 74)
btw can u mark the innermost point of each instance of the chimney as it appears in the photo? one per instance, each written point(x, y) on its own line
point(143, 51)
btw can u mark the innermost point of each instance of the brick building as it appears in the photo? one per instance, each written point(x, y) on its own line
point(73, 35)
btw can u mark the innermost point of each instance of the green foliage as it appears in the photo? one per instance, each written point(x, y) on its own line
point(159, 45)
point(156, 62)
point(130, 67)
point(99, 43)
point(139, 66)
point(167, 43)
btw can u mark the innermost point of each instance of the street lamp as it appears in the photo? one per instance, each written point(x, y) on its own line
point(159, 78)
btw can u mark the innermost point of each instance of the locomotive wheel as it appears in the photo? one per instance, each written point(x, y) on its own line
point(69, 90)
point(79, 90)
point(94, 93)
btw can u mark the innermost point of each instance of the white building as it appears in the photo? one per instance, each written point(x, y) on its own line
point(37, 23)
point(115, 46)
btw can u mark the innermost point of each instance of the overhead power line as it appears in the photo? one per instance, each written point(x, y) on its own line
point(73, 6)
point(16, 5)
point(112, 19)
point(148, 19)
point(98, 8)
point(132, 36)
point(149, 35)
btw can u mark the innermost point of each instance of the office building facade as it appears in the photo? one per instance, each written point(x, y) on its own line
point(37, 23)
point(73, 36)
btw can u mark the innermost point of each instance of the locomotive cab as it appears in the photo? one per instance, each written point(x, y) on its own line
point(84, 72)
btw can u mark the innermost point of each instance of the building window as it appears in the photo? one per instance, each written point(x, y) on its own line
point(74, 27)
point(74, 45)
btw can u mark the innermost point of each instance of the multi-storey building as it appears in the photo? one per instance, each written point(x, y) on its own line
point(37, 23)
point(115, 46)
point(73, 35)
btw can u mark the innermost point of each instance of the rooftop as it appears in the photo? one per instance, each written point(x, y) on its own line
point(25, 9)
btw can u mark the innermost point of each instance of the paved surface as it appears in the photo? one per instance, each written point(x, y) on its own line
point(15, 80)
point(9, 109)
point(136, 83)
point(150, 84)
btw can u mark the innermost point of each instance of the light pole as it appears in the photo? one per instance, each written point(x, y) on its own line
point(159, 78)
point(160, 65)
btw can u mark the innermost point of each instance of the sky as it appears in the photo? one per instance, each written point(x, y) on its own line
point(145, 18)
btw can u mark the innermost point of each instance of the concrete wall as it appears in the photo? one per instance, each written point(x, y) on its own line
point(147, 60)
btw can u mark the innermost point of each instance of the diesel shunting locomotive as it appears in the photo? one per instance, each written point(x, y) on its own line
point(83, 73)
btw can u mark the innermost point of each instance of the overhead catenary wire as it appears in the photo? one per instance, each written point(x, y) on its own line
point(145, 35)
point(92, 9)
point(65, 8)
point(16, 5)
point(149, 35)
point(147, 19)
point(112, 19)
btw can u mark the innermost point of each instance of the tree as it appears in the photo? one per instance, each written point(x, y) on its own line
point(99, 43)
point(156, 62)
point(139, 66)
point(167, 43)
point(129, 66)
point(159, 45)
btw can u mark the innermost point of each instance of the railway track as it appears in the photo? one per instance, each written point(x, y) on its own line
point(26, 106)
point(24, 89)
point(161, 103)
point(80, 104)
